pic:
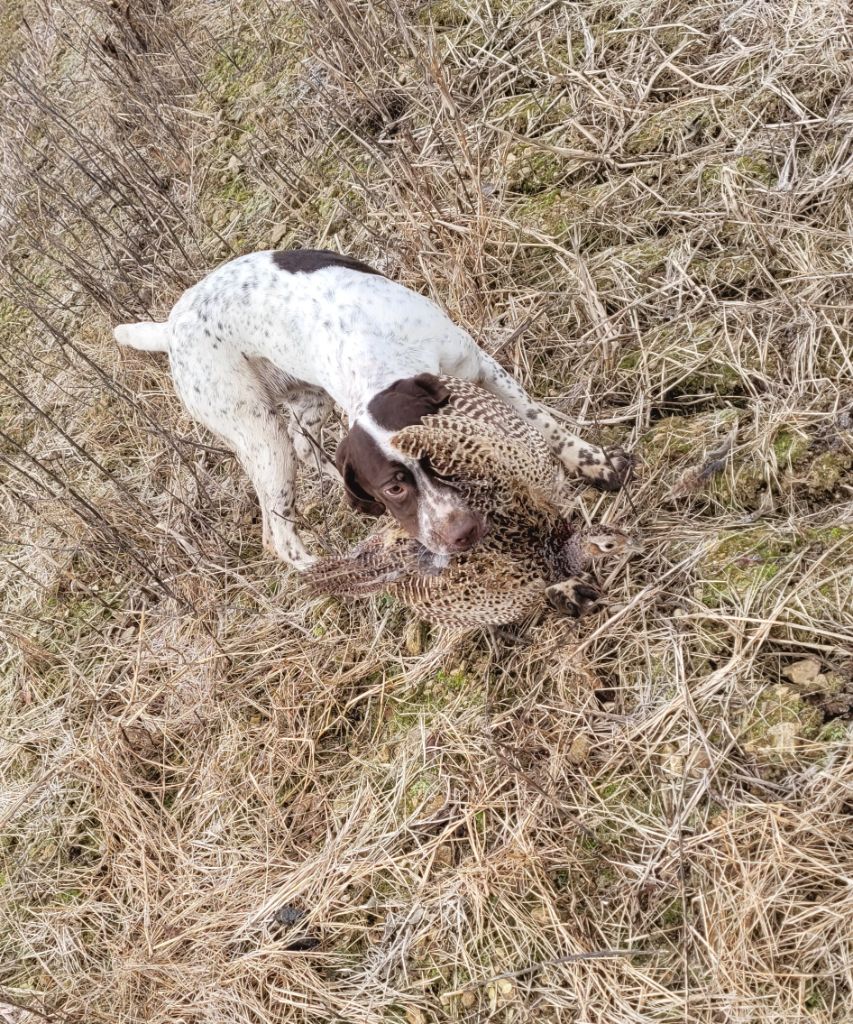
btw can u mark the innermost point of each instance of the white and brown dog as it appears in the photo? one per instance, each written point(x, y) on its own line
point(302, 328)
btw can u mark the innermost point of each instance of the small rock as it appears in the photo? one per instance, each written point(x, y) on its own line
point(803, 671)
point(234, 164)
point(444, 856)
point(541, 916)
point(778, 724)
point(277, 233)
point(435, 803)
point(468, 999)
point(698, 761)
point(579, 749)
point(782, 738)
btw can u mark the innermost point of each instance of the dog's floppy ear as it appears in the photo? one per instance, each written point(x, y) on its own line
point(357, 496)
point(434, 390)
point(408, 400)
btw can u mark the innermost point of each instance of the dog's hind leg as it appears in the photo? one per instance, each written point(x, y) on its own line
point(229, 400)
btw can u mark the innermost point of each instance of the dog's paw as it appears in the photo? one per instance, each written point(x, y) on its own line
point(574, 597)
point(290, 549)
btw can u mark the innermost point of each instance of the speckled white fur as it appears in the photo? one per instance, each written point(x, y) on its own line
point(251, 337)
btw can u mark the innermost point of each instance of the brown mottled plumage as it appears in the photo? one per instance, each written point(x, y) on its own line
point(532, 553)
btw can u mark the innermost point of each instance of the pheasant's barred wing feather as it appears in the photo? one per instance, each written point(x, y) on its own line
point(477, 437)
point(475, 593)
point(370, 567)
point(472, 451)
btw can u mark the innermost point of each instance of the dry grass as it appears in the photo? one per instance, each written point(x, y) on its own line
point(644, 210)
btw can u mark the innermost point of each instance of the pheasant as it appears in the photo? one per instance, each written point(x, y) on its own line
point(532, 556)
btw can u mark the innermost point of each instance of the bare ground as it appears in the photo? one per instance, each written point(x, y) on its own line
point(220, 802)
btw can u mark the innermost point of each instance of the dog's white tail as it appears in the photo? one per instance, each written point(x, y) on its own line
point(147, 337)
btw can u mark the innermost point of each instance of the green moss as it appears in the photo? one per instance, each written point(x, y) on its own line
point(675, 437)
point(624, 800)
point(689, 359)
point(445, 14)
point(754, 168)
point(69, 896)
point(640, 260)
point(336, 201)
point(452, 681)
point(838, 537)
point(672, 914)
point(457, 13)
point(827, 471)
point(818, 1001)
point(667, 130)
point(556, 211)
point(418, 793)
point(789, 448)
point(460, 687)
point(742, 563)
point(518, 113)
point(240, 73)
point(729, 271)
point(229, 72)
point(534, 170)
point(560, 879)
point(648, 259)
point(11, 17)
point(681, 443)
point(606, 877)
point(230, 206)
point(67, 612)
point(836, 731)
point(739, 487)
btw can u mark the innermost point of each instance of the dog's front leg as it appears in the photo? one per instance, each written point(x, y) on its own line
point(607, 469)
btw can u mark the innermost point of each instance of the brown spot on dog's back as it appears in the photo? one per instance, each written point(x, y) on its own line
point(306, 261)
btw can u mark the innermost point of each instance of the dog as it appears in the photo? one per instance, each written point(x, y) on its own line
point(302, 329)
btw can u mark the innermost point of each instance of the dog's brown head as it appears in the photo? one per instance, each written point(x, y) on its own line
point(377, 478)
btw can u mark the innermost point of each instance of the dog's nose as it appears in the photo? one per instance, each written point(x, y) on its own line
point(465, 533)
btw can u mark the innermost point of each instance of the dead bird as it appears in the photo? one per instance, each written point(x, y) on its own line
point(532, 554)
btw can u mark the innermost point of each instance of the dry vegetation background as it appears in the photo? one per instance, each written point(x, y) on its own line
point(220, 802)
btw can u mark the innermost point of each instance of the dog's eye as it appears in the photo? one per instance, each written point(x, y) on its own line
point(396, 490)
